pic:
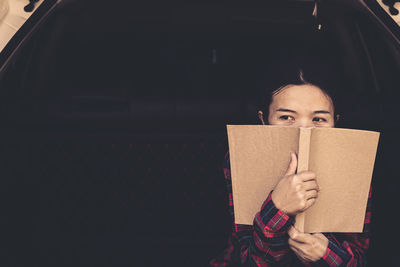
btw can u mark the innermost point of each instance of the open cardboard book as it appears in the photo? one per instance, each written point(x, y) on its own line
point(343, 160)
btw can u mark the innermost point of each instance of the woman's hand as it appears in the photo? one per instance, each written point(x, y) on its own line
point(295, 192)
point(307, 247)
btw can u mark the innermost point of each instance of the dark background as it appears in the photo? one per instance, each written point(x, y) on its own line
point(113, 124)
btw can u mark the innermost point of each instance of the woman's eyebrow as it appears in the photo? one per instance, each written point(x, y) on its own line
point(286, 110)
point(321, 111)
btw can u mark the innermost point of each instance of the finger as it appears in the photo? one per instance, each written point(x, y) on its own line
point(298, 237)
point(292, 232)
point(309, 203)
point(311, 185)
point(298, 248)
point(294, 235)
point(295, 241)
point(293, 245)
point(291, 242)
point(306, 176)
point(311, 194)
point(292, 164)
point(296, 244)
point(299, 253)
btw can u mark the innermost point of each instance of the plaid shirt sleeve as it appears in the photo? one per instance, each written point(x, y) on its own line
point(264, 243)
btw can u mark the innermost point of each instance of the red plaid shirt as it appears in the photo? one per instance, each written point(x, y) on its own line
point(266, 242)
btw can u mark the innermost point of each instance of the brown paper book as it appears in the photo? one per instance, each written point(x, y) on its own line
point(343, 160)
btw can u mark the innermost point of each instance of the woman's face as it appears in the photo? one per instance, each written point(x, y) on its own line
point(301, 106)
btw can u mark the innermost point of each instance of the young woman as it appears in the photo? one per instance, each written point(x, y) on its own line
point(298, 100)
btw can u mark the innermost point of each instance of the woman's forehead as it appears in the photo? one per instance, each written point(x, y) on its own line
point(302, 96)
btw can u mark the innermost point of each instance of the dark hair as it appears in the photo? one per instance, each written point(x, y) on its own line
point(298, 72)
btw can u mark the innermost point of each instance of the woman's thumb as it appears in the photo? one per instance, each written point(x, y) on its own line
point(292, 164)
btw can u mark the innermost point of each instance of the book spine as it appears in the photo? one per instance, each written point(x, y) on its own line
point(232, 159)
point(302, 165)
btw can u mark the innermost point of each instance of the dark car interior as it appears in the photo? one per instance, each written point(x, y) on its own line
point(114, 122)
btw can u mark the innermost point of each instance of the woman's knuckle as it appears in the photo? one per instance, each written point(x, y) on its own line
point(313, 244)
point(302, 205)
point(298, 187)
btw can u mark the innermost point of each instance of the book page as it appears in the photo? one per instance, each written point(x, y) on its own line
point(343, 160)
point(259, 157)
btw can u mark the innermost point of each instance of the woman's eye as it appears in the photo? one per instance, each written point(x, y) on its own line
point(318, 119)
point(286, 118)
